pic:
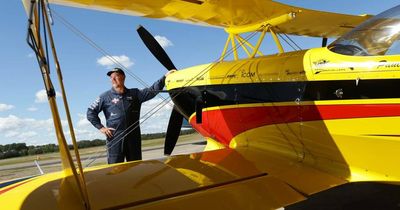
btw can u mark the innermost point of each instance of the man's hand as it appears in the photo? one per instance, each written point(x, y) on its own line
point(170, 72)
point(107, 131)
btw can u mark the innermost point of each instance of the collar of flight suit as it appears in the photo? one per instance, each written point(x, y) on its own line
point(116, 93)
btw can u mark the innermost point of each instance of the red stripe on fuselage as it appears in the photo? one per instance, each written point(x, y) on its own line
point(12, 187)
point(224, 124)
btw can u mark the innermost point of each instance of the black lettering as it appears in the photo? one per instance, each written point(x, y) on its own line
point(248, 74)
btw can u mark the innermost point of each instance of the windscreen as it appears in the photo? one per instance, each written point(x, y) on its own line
point(379, 35)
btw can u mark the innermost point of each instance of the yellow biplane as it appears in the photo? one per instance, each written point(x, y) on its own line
point(308, 129)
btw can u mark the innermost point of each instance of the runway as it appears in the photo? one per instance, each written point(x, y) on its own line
point(9, 172)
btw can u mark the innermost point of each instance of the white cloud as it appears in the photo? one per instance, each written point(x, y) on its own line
point(32, 109)
point(10, 123)
point(5, 107)
point(163, 41)
point(11, 134)
point(41, 96)
point(110, 61)
point(37, 132)
point(31, 55)
point(28, 130)
point(28, 134)
point(14, 123)
point(159, 112)
point(84, 130)
point(87, 134)
point(83, 122)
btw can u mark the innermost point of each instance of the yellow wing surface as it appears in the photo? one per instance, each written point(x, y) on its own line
point(229, 13)
point(219, 179)
point(240, 178)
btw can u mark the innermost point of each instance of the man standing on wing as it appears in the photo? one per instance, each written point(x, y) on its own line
point(121, 107)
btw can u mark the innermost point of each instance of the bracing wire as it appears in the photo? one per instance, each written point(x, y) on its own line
point(96, 46)
point(165, 101)
point(287, 42)
point(188, 83)
point(80, 34)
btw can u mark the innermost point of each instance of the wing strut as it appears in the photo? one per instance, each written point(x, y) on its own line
point(73, 181)
point(324, 41)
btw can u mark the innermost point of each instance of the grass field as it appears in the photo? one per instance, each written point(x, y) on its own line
point(24, 166)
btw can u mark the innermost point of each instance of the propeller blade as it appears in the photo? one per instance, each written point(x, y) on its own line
point(173, 131)
point(176, 119)
point(155, 48)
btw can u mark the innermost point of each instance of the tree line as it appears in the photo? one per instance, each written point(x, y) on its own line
point(21, 149)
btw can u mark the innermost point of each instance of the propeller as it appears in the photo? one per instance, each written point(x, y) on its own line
point(155, 48)
point(173, 131)
point(176, 118)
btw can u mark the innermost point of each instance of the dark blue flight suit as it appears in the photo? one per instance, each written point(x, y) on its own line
point(122, 111)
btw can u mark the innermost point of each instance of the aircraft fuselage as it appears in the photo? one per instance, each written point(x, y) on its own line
point(332, 111)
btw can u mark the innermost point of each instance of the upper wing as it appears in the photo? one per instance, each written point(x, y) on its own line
point(229, 13)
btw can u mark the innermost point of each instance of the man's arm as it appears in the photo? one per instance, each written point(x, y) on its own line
point(92, 113)
point(93, 117)
point(149, 93)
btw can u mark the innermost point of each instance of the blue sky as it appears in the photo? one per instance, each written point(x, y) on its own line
point(24, 111)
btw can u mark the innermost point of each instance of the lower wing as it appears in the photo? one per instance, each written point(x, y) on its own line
point(241, 178)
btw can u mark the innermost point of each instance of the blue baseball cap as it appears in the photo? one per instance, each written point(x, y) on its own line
point(118, 70)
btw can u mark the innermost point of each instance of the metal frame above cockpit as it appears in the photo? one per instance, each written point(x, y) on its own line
point(234, 36)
